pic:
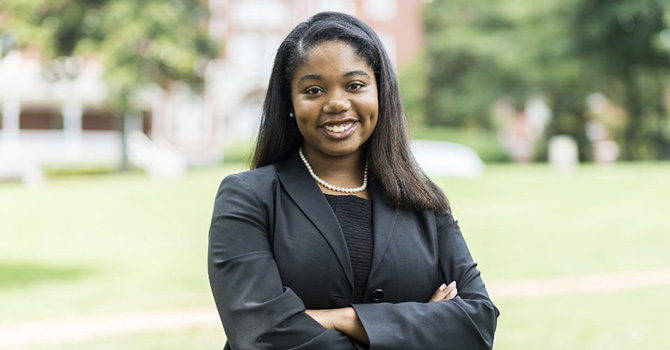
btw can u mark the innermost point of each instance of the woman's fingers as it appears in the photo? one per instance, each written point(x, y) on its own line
point(439, 293)
point(452, 294)
point(443, 292)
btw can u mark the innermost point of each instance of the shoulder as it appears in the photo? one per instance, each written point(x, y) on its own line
point(444, 219)
point(439, 222)
point(256, 177)
point(251, 183)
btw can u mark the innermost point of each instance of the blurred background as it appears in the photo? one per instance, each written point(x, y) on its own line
point(547, 124)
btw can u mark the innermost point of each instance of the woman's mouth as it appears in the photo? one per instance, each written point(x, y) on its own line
point(339, 127)
point(340, 130)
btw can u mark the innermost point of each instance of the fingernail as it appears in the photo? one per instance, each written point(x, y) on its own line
point(452, 284)
point(443, 287)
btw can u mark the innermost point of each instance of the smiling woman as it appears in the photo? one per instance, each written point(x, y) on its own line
point(303, 254)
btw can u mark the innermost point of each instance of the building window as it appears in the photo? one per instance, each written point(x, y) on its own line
point(344, 6)
point(380, 10)
point(40, 119)
point(390, 45)
point(261, 15)
point(252, 53)
point(94, 119)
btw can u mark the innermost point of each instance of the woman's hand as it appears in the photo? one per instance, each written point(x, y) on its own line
point(344, 320)
point(445, 292)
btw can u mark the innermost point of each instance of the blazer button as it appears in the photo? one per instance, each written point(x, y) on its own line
point(377, 295)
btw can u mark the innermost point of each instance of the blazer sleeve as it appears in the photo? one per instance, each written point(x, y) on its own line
point(256, 310)
point(467, 322)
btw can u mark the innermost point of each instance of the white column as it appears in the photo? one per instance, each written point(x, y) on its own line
point(72, 115)
point(156, 110)
point(11, 111)
point(72, 133)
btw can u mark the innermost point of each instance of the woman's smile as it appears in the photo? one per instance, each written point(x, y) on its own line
point(339, 130)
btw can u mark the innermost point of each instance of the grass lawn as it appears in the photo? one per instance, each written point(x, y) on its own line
point(117, 244)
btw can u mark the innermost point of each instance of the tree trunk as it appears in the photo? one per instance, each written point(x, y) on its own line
point(634, 108)
point(123, 128)
point(661, 133)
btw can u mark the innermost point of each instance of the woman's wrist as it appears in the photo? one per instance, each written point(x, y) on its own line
point(344, 320)
point(348, 323)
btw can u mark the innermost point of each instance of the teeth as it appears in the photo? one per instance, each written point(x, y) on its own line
point(339, 128)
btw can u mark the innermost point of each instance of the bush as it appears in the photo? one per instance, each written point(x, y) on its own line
point(239, 152)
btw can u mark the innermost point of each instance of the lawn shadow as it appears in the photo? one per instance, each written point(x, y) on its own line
point(21, 274)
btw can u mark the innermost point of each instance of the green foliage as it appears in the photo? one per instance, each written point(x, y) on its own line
point(478, 52)
point(467, 56)
point(412, 80)
point(619, 41)
point(238, 153)
point(140, 43)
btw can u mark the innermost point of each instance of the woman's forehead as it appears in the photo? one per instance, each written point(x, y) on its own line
point(333, 57)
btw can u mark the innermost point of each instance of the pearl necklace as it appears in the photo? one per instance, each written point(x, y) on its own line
point(333, 187)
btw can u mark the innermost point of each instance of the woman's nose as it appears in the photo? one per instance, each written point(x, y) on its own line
point(336, 105)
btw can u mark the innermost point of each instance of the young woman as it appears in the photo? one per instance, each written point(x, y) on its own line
point(336, 239)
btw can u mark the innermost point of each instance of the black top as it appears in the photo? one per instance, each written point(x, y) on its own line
point(355, 217)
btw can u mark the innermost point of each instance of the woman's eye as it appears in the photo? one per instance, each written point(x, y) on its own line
point(356, 86)
point(313, 91)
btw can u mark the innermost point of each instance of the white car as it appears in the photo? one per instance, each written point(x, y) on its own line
point(447, 159)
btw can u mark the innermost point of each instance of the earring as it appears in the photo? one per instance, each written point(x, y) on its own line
point(290, 115)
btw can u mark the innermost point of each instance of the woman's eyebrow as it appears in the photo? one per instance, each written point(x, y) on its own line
point(356, 72)
point(345, 75)
point(309, 77)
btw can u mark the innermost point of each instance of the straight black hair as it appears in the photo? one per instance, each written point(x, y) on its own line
point(391, 163)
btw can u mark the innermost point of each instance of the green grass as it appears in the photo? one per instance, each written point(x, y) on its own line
point(609, 321)
point(139, 244)
point(121, 243)
point(527, 221)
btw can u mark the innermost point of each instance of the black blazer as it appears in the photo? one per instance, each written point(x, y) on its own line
point(276, 248)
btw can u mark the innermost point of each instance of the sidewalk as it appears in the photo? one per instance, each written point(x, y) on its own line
point(83, 328)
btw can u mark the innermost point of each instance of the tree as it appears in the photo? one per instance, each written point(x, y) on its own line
point(620, 39)
point(480, 51)
point(141, 44)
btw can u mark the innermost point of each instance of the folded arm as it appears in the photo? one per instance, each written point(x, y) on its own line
point(463, 318)
point(346, 320)
point(256, 310)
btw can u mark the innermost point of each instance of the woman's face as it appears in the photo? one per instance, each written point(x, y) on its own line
point(334, 97)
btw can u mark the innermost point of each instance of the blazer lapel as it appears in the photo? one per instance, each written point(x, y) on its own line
point(384, 217)
point(305, 192)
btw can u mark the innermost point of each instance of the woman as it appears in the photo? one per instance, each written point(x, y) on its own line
point(336, 239)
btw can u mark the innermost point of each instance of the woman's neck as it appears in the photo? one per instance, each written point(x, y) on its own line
point(344, 171)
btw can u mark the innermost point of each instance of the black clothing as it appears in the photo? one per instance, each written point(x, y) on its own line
point(355, 217)
point(276, 249)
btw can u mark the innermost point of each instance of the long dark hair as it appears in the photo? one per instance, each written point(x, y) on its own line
point(391, 162)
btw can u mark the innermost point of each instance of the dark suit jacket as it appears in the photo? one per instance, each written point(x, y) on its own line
point(276, 248)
